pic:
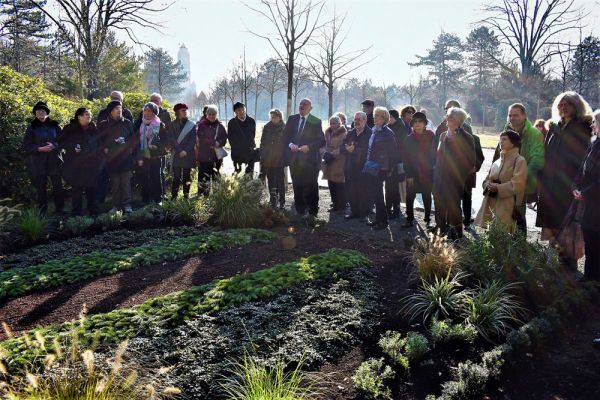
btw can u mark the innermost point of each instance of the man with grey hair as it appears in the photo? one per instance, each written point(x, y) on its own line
point(304, 133)
point(163, 114)
point(118, 96)
point(355, 147)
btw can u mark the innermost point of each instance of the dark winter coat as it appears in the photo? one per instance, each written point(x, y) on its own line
point(162, 141)
point(241, 136)
point(80, 169)
point(564, 150)
point(419, 158)
point(455, 159)
point(187, 144)
point(479, 159)
point(311, 136)
point(356, 160)
point(103, 115)
point(273, 145)
point(401, 132)
point(117, 144)
point(588, 182)
point(39, 134)
point(208, 134)
point(383, 149)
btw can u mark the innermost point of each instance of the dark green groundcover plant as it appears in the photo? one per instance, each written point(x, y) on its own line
point(171, 310)
point(19, 281)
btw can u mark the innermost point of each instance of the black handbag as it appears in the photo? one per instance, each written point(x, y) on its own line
point(328, 158)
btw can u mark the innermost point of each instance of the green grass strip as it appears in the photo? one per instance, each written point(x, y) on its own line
point(171, 310)
point(19, 281)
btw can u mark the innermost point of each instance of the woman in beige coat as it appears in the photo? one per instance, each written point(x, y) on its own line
point(333, 163)
point(504, 185)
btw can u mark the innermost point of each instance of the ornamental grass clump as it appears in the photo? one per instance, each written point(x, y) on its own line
point(253, 380)
point(235, 202)
point(7, 214)
point(186, 211)
point(71, 372)
point(442, 298)
point(32, 225)
point(493, 310)
point(435, 257)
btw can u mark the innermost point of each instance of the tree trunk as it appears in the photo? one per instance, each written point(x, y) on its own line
point(330, 99)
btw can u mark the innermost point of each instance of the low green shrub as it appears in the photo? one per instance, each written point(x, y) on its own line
point(79, 225)
point(442, 298)
point(18, 281)
point(109, 221)
point(493, 310)
point(186, 211)
point(142, 216)
point(392, 345)
point(235, 201)
point(171, 310)
point(404, 351)
point(472, 379)
point(32, 225)
point(372, 377)
point(445, 331)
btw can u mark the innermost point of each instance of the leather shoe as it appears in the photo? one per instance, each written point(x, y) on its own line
point(371, 223)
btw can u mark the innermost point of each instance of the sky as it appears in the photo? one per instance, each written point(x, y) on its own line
point(216, 32)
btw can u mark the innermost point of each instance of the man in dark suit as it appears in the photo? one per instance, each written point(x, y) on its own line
point(304, 133)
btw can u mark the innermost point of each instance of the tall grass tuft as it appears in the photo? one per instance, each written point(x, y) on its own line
point(442, 298)
point(435, 257)
point(186, 211)
point(32, 225)
point(236, 202)
point(69, 372)
point(7, 214)
point(251, 380)
point(493, 310)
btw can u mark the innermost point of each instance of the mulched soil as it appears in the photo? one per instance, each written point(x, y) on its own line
point(128, 288)
point(569, 368)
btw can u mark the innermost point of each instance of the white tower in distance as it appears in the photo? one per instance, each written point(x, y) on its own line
point(183, 57)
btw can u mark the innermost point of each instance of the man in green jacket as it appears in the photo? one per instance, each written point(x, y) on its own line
point(532, 149)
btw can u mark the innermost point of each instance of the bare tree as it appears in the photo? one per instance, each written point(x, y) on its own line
point(242, 77)
point(301, 82)
point(565, 55)
point(415, 91)
point(257, 87)
point(295, 21)
point(532, 29)
point(85, 26)
point(273, 77)
point(332, 63)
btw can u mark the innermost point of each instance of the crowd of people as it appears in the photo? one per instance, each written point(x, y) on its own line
point(384, 157)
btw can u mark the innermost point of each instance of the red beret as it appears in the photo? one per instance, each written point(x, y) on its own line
point(180, 106)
